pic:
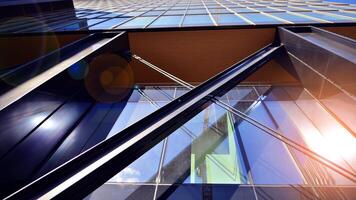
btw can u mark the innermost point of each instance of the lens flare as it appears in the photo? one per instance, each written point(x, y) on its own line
point(109, 79)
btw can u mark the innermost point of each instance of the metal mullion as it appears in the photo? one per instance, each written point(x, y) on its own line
point(291, 154)
point(335, 15)
point(185, 13)
point(117, 25)
point(322, 20)
point(272, 16)
point(332, 114)
point(162, 156)
point(237, 14)
point(324, 77)
point(211, 17)
point(322, 134)
point(97, 163)
point(289, 142)
point(188, 132)
point(341, 170)
point(306, 16)
point(158, 17)
point(245, 157)
point(131, 18)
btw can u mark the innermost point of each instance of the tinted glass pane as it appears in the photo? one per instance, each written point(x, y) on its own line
point(197, 20)
point(109, 24)
point(331, 18)
point(222, 10)
point(227, 19)
point(348, 14)
point(198, 11)
point(138, 22)
point(91, 22)
point(293, 18)
point(266, 9)
point(204, 150)
point(167, 21)
point(261, 19)
point(80, 113)
point(243, 10)
point(175, 12)
point(153, 13)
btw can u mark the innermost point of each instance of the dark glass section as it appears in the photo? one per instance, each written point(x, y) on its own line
point(247, 143)
point(72, 112)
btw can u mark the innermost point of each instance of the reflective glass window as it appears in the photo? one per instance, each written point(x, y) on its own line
point(109, 24)
point(222, 10)
point(167, 21)
point(327, 17)
point(266, 9)
point(348, 14)
point(197, 20)
point(261, 19)
point(228, 19)
point(198, 11)
point(243, 10)
point(153, 13)
point(138, 22)
point(175, 12)
point(293, 18)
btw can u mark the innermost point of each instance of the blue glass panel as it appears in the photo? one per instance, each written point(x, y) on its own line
point(153, 13)
point(116, 14)
point(348, 14)
point(258, 18)
point(175, 12)
point(261, 149)
point(197, 20)
point(342, 1)
point(132, 112)
point(222, 10)
point(266, 9)
point(93, 15)
point(204, 150)
point(109, 24)
point(167, 21)
point(122, 191)
point(197, 11)
point(290, 8)
point(132, 14)
point(91, 22)
point(228, 19)
point(144, 169)
point(330, 18)
point(74, 26)
point(308, 124)
point(243, 10)
point(139, 22)
point(293, 18)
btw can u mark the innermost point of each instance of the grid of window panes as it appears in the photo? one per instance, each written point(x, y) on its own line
point(137, 14)
point(218, 147)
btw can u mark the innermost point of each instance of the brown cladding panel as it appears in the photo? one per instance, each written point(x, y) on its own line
point(195, 56)
point(348, 31)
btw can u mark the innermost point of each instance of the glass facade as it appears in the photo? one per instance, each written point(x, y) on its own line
point(84, 115)
point(117, 14)
point(220, 147)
